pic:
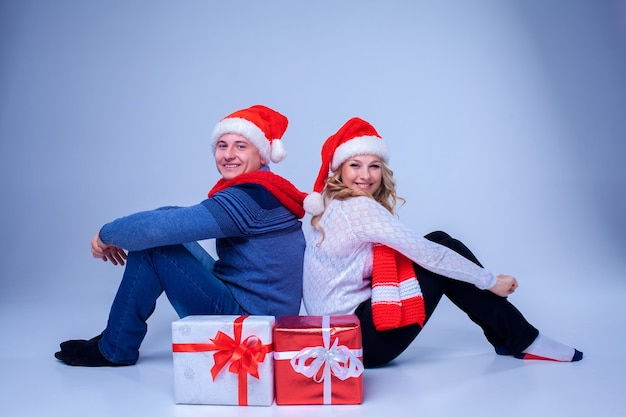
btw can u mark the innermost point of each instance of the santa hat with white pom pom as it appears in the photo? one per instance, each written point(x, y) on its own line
point(262, 126)
point(355, 137)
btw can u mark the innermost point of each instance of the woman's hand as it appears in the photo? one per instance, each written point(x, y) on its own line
point(107, 252)
point(505, 285)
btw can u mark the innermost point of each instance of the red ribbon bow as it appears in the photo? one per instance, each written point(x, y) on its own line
point(244, 357)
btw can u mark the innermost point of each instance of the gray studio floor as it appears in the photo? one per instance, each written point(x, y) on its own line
point(449, 371)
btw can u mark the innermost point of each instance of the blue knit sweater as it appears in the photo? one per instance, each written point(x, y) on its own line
point(259, 243)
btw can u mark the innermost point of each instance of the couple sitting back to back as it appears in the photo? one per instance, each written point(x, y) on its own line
point(357, 258)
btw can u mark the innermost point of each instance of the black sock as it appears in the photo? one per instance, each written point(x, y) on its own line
point(84, 353)
point(70, 344)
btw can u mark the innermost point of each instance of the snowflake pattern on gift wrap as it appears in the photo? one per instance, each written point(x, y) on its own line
point(184, 330)
point(192, 370)
point(226, 327)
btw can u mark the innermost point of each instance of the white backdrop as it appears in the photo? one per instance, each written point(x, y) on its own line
point(506, 119)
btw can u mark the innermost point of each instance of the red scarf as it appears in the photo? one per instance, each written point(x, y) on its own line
point(283, 190)
point(396, 295)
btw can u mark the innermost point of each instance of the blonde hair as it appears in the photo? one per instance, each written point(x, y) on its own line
point(335, 189)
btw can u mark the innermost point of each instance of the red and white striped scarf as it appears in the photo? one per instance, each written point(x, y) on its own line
point(396, 294)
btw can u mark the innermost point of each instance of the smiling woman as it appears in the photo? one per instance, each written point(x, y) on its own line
point(363, 172)
point(361, 260)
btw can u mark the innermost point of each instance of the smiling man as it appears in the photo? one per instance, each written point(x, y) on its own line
point(235, 155)
point(254, 216)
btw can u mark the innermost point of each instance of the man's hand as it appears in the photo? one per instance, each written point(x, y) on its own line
point(106, 252)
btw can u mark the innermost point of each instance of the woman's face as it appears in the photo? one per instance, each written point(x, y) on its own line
point(235, 155)
point(362, 172)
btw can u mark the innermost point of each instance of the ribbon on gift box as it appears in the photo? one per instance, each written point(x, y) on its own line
point(335, 359)
point(244, 356)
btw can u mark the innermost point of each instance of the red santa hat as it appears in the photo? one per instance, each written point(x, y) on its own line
point(355, 137)
point(262, 126)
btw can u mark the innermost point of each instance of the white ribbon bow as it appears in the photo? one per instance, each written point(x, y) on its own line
point(336, 360)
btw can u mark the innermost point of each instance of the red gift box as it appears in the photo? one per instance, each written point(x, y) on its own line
point(318, 360)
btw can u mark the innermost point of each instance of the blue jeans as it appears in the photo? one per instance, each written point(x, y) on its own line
point(184, 273)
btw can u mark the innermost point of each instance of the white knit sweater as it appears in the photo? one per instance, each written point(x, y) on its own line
point(337, 272)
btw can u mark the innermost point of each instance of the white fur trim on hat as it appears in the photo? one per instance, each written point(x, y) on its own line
point(314, 204)
point(360, 146)
point(278, 152)
point(246, 129)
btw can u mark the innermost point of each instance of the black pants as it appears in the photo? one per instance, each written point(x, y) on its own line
point(503, 325)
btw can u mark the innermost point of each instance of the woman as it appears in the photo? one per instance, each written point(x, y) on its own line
point(360, 259)
point(254, 216)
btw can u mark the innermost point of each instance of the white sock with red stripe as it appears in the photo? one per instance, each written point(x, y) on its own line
point(544, 348)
